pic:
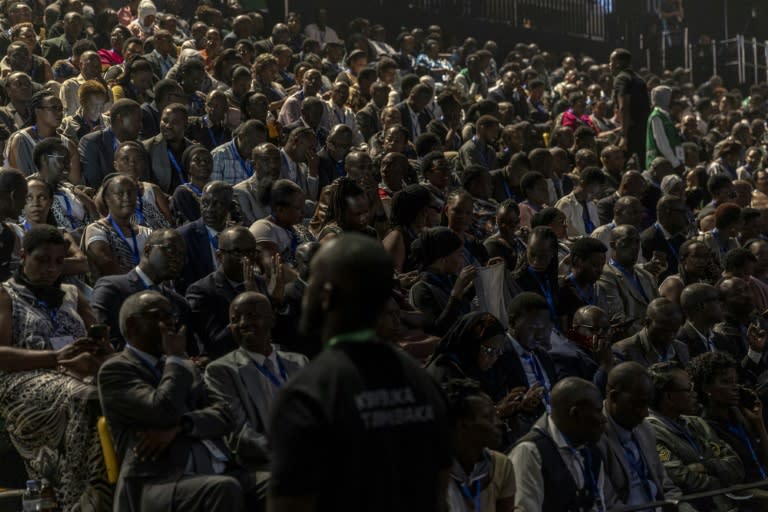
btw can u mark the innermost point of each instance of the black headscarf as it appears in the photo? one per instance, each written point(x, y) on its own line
point(463, 339)
point(433, 244)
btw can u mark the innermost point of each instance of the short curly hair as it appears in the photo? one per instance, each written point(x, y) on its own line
point(704, 368)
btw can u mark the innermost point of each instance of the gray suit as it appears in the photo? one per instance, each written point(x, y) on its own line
point(163, 174)
point(134, 400)
point(627, 304)
point(617, 469)
point(638, 348)
point(235, 378)
point(247, 196)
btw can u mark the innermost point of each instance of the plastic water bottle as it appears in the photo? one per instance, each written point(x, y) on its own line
point(31, 501)
point(48, 497)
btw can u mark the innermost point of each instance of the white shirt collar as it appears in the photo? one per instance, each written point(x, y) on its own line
point(261, 358)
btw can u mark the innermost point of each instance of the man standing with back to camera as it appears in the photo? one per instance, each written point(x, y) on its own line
point(361, 427)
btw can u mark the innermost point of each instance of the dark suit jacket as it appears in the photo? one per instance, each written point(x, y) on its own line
point(199, 261)
point(209, 300)
point(326, 168)
point(110, 292)
point(248, 392)
point(150, 121)
point(97, 156)
point(368, 121)
point(163, 174)
point(637, 348)
point(653, 240)
point(618, 472)
point(56, 48)
point(605, 208)
point(499, 192)
point(133, 399)
point(688, 336)
point(321, 134)
point(405, 118)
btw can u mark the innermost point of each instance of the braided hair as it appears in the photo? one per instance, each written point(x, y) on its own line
point(337, 207)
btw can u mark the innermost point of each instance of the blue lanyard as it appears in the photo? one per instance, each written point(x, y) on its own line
point(669, 244)
point(632, 277)
point(26, 225)
point(483, 155)
point(586, 471)
point(140, 209)
point(636, 463)
point(539, 374)
point(247, 168)
point(723, 248)
point(176, 166)
point(271, 376)
point(589, 226)
point(508, 191)
point(340, 118)
point(135, 247)
point(68, 206)
point(194, 189)
point(546, 290)
point(216, 142)
point(586, 296)
point(52, 313)
point(739, 431)
point(473, 498)
point(115, 144)
point(214, 240)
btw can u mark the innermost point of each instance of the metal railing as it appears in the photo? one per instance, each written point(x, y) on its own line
point(673, 503)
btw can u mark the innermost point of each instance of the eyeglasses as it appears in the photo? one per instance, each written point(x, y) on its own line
point(492, 351)
point(238, 253)
point(597, 329)
point(689, 389)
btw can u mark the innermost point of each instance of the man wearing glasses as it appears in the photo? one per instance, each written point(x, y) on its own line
point(586, 353)
point(210, 297)
point(161, 262)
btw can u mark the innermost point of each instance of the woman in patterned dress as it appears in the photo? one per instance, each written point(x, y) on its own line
point(47, 401)
point(152, 208)
point(114, 243)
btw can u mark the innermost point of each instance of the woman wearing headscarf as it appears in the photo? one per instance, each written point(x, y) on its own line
point(185, 203)
point(444, 290)
point(662, 137)
point(144, 24)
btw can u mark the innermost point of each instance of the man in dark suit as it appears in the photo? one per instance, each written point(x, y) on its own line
point(166, 92)
point(168, 432)
point(730, 335)
point(701, 306)
point(210, 297)
point(368, 118)
point(166, 148)
point(656, 341)
point(413, 115)
point(161, 262)
point(505, 182)
point(632, 184)
point(249, 377)
point(97, 149)
point(311, 116)
point(479, 149)
point(330, 163)
point(201, 236)
point(634, 473)
point(161, 58)
point(60, 48)
point(667, 234)
point(586, 353)
point(525, 361)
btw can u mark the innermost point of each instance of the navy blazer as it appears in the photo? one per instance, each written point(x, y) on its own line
point(405, 118)
point(209, 298)
point(110, 292)
point(97, 156)
point(199, 261)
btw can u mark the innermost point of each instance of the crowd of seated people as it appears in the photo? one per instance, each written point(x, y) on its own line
point(521, 283)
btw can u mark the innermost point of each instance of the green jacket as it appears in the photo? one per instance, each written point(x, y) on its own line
point(651, 148)
point(723, 465)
